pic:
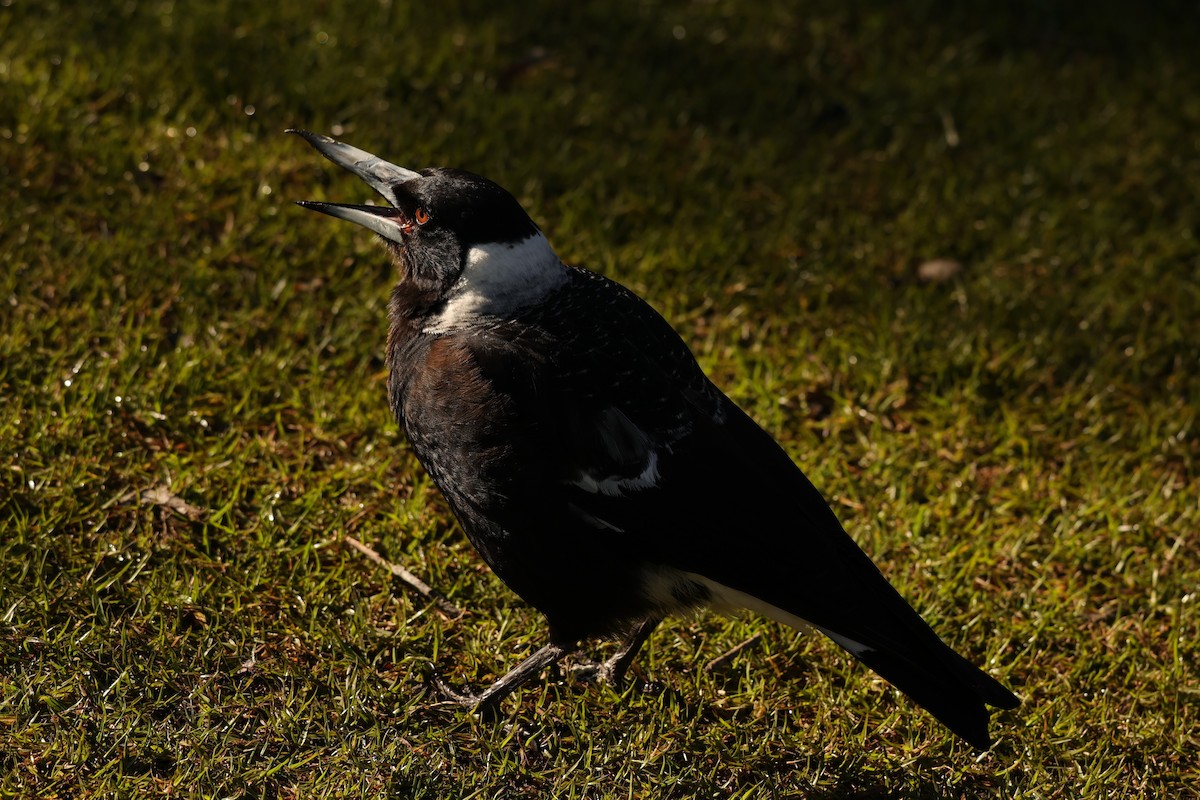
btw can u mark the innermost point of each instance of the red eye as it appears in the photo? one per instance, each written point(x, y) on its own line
point(421, 216)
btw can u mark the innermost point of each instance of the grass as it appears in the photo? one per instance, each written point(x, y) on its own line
point(194, 409)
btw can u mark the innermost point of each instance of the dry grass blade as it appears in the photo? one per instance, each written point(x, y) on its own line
point(728, 655)
point(444, 606)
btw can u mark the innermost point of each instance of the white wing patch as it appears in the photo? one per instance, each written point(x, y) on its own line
point(615, 486)
point(499, 279)
point(622, 448)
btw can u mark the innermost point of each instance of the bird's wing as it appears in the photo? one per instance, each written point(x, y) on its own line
point(648, 449)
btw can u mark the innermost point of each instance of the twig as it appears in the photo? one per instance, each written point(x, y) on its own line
point(725, 657)
point(444, 606)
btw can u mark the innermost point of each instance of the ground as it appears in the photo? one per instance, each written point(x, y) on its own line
point(194, 413)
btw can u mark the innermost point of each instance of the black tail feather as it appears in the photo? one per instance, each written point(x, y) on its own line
point(950, 688)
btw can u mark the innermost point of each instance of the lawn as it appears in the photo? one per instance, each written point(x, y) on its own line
point(194, 416)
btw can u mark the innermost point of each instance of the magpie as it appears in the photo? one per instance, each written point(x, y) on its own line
point(592, 464)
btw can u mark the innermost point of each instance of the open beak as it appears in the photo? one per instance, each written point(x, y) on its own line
point(372, 169)
point(380, 174)
point(381, 219)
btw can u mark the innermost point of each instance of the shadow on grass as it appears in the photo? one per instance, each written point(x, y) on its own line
point(785, 88)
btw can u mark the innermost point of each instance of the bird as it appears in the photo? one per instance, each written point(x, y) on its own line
point(592, 464)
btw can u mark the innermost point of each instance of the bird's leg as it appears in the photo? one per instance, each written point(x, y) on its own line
point(488, 701)
point(612, 671)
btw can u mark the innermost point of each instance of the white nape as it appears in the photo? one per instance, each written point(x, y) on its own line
point(497, 280)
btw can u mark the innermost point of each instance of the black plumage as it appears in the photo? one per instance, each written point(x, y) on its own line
point(595, 467)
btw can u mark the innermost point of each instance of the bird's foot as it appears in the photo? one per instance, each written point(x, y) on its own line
point(450, 694)
point(481, 704)
point(612, 671)
point(602, 672)
point(487, 704)
point(587, 670)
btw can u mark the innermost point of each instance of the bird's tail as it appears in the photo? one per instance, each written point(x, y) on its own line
point(939, 680)
point(793, 561)
point(895, 642)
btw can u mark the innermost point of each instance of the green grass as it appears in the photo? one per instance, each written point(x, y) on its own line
point(1016, 447)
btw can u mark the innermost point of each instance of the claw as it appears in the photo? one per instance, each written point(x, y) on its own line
point(602, 672)
point(487, 704)
point(465, 699)
point(487, 707)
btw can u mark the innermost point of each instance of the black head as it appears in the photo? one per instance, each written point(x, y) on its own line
point(436, 215)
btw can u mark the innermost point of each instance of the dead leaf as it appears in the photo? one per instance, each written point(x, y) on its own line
point(161, 496)
point(938, 270)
